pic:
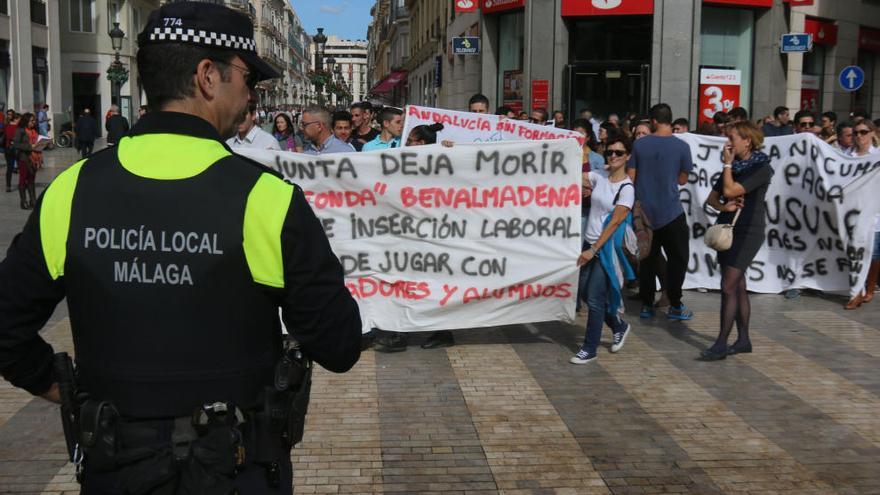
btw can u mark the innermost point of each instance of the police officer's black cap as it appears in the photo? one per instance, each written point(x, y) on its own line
point(206, 24)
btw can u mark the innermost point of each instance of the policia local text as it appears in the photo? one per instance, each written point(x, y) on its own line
point(145, 240)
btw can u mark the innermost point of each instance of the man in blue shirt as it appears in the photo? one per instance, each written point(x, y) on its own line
point(315, 124)
point(660, 163)
point(391, 120)
point(780, 126)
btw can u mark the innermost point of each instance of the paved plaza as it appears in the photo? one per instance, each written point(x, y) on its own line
point(504, 412)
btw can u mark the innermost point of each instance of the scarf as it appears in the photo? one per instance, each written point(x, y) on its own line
point(36, 156)
point(757, 159)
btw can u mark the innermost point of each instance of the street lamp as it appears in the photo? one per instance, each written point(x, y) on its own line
point(117, 74)
point(320, 40)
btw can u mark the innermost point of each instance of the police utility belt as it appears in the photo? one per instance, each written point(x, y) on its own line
point(206, 449)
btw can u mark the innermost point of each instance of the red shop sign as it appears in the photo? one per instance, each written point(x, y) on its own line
point(465, 6)
point(824, 33)
point(719, 92)
point(540, 94)
point(798, 3)
point(607, 7)
point(742, 3)
point(869, 39)
point(491, 6)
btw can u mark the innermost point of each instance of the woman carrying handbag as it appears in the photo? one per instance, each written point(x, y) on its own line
point(739, 233)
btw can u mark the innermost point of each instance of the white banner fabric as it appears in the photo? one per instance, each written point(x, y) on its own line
point(437, 238)
point(821, 209)
point(466, 127)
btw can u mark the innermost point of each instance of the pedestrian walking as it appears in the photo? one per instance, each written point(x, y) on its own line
point(184, 383)
point(250, 135)
point(603, 259)
point(283, 132)
point(362, 120)
point(779, 125)
point(29, 159)
point(391, 120)
point(86, 132)
point(478, 103)
point(739, 195)
point(865, 132)
point(116, 126)
point(12, 121)
point(661, 163)
point(43, 120)
point(317, 127)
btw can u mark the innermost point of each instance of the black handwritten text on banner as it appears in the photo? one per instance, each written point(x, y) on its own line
point(436, 238)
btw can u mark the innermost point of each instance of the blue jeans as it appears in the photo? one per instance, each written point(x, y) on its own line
point(595, 285)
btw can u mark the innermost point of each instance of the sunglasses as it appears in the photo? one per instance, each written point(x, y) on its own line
point(250, 78)
point(610, 153)
point(808, 123)
point(862, 132)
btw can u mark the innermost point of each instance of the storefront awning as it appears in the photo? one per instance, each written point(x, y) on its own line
point(387, 84)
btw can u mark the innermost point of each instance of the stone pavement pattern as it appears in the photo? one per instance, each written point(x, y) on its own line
point(504, 412)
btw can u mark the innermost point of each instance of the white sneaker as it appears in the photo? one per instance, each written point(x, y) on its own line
point(582, 357)
point(620, 338)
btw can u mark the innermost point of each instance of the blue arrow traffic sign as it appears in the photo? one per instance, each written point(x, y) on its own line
point(851, 78)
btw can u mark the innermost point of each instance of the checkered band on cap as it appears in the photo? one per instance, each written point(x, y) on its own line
point(200, 37)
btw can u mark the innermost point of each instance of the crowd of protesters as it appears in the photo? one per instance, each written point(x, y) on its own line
point(632, 171)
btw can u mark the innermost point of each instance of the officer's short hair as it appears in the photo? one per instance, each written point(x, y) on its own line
point(319, 113)
point(388, 113)
point(166, 70)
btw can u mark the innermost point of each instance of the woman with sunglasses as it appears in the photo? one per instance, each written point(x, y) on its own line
point(742, 187)
point(864, 133)
point(605, 264)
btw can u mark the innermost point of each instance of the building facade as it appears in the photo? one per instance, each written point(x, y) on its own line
point(351, 58)
point(30, 56)
point(624, 56)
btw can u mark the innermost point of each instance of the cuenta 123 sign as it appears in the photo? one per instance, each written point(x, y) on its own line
point(719, 92)
point(468, 45)
point(607, 7)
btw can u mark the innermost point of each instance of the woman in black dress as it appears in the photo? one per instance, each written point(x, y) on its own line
point(742, 186)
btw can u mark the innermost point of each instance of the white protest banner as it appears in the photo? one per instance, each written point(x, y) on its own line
point(821, 207)
point(466, 127)
point(438, 238)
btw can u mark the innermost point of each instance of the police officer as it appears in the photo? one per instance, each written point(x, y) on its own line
point(175, 255)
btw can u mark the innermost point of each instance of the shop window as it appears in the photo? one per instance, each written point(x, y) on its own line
point(511, 39)
point(41, 71)
point(863, 97)
point(4, 7)
point(727, 41)
point(811, 84)
point(82, 13)
point(612, 38)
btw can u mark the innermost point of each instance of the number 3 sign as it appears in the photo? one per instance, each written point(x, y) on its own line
point(719, 92)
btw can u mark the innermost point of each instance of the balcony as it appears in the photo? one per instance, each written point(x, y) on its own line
point(241, 6)
point(38, 12)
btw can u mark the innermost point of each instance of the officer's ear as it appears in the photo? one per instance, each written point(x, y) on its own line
point(207, 78)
